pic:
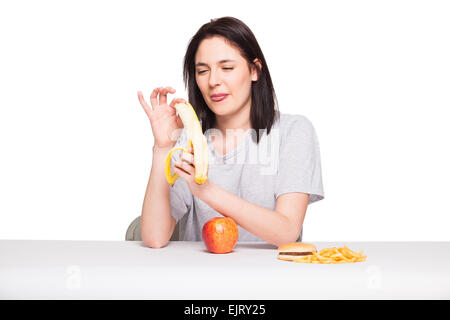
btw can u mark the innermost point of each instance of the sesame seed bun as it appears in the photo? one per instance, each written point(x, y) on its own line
point(290, 251)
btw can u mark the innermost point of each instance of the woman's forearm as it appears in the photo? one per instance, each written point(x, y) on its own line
point(268, 225)
point(156, 222)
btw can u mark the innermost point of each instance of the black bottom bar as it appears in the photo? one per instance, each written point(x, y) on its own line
point(221, 309)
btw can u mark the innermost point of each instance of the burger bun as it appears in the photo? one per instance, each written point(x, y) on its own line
point(291, 251)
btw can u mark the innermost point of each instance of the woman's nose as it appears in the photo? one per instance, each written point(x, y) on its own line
point(214, 78)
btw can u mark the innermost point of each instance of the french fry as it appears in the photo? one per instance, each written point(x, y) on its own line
point(333, 256)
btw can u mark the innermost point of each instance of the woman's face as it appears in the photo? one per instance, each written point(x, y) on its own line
point(223, 76)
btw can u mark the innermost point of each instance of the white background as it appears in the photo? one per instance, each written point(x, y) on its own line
point(372, 76)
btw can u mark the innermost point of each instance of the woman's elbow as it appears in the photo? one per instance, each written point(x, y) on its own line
point(288, 237)
point(154, 243)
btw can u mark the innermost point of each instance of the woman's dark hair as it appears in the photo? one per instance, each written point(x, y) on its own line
point(264, 107)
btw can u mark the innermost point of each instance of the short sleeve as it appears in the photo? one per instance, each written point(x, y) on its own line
point(179, 201)
point(299, 167)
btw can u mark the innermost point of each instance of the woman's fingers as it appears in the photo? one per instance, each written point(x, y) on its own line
point(177, 100)
point(172, 105)
point(183, 174)
point(185, 167)
point(144, 104)
point(154, 97)
point(187, 157)
point(163, 94)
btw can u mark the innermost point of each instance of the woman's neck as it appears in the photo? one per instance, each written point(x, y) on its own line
point(237, 121)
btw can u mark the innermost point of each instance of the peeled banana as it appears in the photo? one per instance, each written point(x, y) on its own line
point(196, 143)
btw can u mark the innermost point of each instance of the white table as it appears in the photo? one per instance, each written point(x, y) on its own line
point(185, 270)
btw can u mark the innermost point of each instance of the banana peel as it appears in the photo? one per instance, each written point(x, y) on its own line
point(196, 144)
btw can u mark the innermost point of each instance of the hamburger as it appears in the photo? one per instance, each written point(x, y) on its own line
point(290, 251)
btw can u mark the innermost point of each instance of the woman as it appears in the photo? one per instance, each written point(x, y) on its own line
point(230, 88)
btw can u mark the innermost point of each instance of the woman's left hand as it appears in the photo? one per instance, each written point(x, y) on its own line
point(185, 168)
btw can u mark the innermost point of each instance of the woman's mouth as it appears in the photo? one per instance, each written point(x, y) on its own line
point(219, 97)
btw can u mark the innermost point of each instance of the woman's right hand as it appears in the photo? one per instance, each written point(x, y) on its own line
point(163, 119)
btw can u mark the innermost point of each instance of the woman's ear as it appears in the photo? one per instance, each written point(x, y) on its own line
point(256, 69)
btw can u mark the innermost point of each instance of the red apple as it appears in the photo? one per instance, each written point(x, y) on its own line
point(220, 234)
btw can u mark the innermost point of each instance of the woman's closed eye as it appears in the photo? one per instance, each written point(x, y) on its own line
point(224, 68)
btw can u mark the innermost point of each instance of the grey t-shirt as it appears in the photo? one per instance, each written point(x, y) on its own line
point(286, 160)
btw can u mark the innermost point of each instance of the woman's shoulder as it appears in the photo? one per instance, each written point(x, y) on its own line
point(290, 117)
point(293, 122)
